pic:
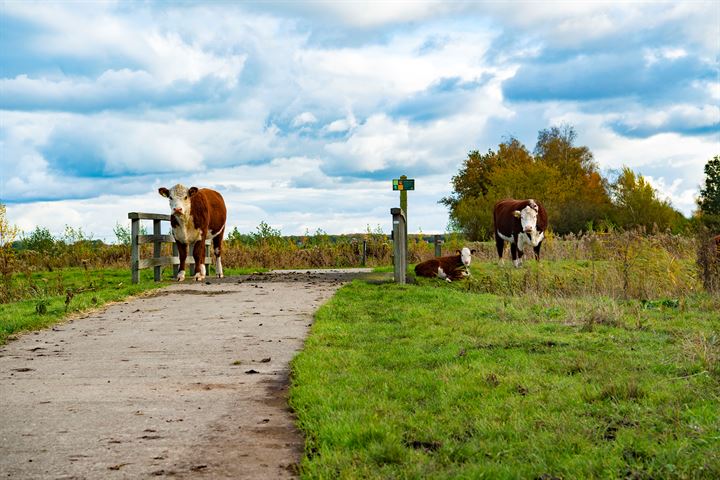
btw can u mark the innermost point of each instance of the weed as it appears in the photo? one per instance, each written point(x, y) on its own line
point(704, 350)
point(41, 306)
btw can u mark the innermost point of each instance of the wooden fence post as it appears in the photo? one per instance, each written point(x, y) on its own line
point(364, 253)
point(135, 248)
point(438, 246)
point(156, 249)
point(399, 245)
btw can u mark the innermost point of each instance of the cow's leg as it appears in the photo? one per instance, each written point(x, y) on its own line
point(199, 256)
point(456, 274)
point(182, 253)
point(514, 254)
point(442, 275)
point(500, 244)
point(521, 252)
point(217, 248)
point(537, 251)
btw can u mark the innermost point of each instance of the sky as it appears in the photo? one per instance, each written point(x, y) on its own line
point(302, 113)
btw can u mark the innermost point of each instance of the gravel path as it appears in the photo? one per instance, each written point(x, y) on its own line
point(189, 381)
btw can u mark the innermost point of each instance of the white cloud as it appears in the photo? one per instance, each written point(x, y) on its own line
point(254, 194)
point(375, 14)
point(305, 118)
point(672, 190)
point(656, 55)
point(204, 94)
point(341, 125)
point(676, 117)
point(173, 59)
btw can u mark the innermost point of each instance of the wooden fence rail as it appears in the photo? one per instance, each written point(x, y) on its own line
point(157, 239)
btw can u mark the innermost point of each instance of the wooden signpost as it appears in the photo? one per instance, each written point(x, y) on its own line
point(400, 250)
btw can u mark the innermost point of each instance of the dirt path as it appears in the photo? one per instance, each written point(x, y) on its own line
point(188, 382)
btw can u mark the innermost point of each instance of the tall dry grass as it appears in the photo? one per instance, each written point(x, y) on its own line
point(618, 265)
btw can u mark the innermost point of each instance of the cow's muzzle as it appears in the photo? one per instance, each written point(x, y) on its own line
point(178, 211)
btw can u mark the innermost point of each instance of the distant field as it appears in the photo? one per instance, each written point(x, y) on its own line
point(437, 381)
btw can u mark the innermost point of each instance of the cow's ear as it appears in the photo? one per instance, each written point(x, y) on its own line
point(192, 191)
point(164, 191)
point(516, 213)
point(458, 252)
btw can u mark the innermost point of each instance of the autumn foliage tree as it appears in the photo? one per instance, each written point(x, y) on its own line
point(637, 204)
point(578, 195)
point(559, 173)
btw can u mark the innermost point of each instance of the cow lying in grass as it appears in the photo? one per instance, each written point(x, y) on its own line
point(449, 268)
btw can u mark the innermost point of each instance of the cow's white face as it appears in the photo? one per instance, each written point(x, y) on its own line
point(528, 218)
point(466, 256)
point(179, 198)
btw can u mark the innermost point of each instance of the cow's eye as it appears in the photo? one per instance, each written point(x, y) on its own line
point(185, 197)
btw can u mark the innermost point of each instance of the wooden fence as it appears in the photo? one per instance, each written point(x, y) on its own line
point(157, 239)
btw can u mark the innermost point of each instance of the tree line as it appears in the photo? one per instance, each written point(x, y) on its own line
point(567, 180)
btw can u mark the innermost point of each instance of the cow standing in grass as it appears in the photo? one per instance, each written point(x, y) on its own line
point(449, 268)
point(520, 222)
point(196, 215)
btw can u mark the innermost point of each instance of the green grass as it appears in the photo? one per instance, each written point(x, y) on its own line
point(45, 294)
point(429, 381)
point(45, 306)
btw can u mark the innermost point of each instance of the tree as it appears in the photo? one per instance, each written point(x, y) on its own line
point(555, 146)
point(561, 175)
point(579, 194)
point(473, 179)
point(636, 204)
point(709, 201)
point(40, 240)
point(481, 181)
point(124, 233)
point(8, 233)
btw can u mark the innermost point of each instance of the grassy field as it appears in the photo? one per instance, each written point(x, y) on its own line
point(45, 298)
point(438, 381)
point(601, 361)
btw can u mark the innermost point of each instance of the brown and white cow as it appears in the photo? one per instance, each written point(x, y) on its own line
point(520, 222)
point(449, 268)
point(196, 215)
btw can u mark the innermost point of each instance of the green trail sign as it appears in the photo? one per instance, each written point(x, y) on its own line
point(403, 184)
